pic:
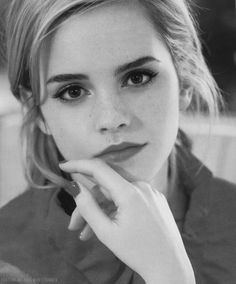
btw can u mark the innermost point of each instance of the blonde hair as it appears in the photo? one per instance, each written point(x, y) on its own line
point(29, 22)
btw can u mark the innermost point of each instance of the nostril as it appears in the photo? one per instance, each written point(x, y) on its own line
point(103, 129)
point(122, 125)
point(112, 128)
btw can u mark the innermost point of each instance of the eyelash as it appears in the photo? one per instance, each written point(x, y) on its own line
point(59, 94)
point(149, 73)
point(142, 72)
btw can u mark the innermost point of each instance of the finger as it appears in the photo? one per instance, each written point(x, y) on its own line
point(92, 213)
point(88, 180)
point(76, 221)
point(103, 174)
point(100, 194)
point(86, 233)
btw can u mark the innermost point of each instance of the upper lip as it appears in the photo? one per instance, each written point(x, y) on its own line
point(119, 147)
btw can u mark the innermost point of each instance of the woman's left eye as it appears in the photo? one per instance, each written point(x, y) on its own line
point(139, 78)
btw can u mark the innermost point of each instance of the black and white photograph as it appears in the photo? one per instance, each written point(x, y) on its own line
point(117, 141)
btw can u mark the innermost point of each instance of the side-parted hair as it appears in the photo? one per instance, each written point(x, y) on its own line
point(28, 25)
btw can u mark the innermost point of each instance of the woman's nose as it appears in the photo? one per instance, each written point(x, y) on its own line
point(112, 115)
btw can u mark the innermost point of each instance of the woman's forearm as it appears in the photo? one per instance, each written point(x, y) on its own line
point(183, 274)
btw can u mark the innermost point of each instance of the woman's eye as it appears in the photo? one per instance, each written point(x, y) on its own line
point(139, 78)
point(71, 93)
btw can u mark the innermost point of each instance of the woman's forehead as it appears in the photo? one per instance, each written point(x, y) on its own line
point(104, 37)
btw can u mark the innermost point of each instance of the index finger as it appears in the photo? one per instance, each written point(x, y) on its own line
point(116, 185)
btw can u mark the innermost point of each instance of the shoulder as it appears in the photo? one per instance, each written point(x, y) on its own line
point(212, 203)
point(16, 211)
point(21, 200)
point(217, 198)
point(23, 238)
point(22, 218)
point(26, 244)
point(222, 200)
point(210, 228)
point(207, 194)
point(24, 208)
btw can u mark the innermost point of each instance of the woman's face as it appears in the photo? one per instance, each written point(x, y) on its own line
point(110, 79)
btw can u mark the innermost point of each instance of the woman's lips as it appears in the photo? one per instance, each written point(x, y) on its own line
point(121, 155)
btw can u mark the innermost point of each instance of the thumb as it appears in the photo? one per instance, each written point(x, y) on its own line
point(91, 212)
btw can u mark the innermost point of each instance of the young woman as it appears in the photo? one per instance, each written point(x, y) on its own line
point(115, 195)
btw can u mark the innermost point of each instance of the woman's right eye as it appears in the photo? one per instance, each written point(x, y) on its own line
point(71, 93)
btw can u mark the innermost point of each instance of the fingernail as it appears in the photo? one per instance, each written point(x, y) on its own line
point(75, 187)
point(72, 188)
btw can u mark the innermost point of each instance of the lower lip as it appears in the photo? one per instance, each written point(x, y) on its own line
point(123, 155)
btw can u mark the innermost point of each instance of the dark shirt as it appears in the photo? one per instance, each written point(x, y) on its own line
point(36, 244)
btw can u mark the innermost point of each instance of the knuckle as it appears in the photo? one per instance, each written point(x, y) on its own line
point(131, 195)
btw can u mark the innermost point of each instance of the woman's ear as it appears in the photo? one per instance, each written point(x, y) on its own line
point(185, 98)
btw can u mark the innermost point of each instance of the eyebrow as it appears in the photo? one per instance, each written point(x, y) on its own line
point(120, 69)
point(66, 77)
point(134, 64)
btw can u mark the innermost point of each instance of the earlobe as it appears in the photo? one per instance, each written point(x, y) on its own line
point(185, 98)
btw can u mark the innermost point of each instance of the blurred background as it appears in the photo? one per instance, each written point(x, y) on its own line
point(214, 145)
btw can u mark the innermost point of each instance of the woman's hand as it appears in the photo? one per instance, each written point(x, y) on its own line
point(77, 222)
point(142, 232)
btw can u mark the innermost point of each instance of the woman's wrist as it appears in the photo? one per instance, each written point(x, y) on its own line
point(188, 278)
point(181, 274)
